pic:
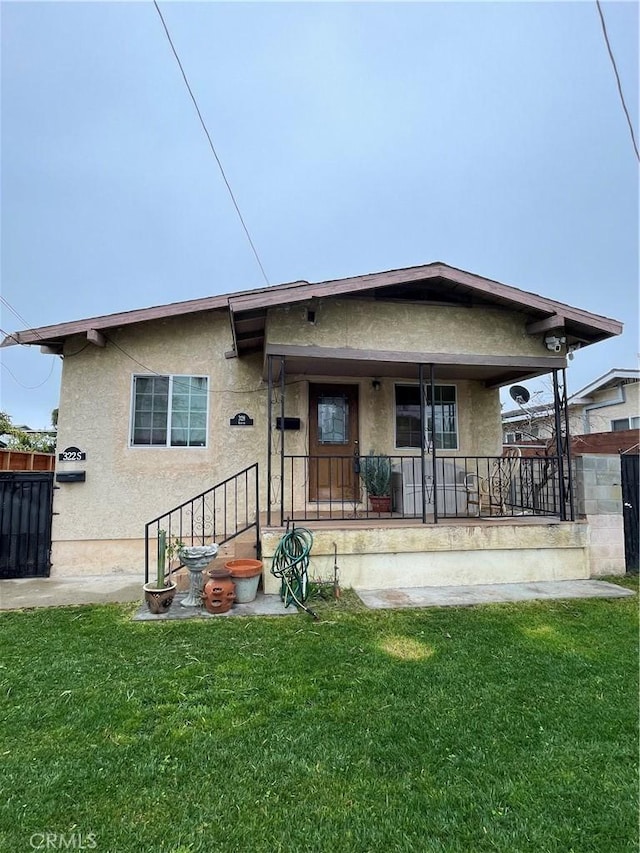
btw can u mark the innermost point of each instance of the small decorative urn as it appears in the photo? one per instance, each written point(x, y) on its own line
point(196, 559)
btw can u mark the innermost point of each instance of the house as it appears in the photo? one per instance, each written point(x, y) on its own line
point(230, 416)
point(611, 403)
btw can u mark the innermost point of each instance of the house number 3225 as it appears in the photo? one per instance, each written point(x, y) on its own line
point(72, 454)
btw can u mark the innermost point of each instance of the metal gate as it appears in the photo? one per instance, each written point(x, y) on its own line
point(25, 524)
point(630, 508)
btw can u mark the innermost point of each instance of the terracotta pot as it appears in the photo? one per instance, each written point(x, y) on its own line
point(219, 593)
point(246, 575)
point(159, 600)
point(380, 503)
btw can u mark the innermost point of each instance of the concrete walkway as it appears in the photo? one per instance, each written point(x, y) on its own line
point(105, 589)
point(121, 588)
point(54, 592)
point(456, 596)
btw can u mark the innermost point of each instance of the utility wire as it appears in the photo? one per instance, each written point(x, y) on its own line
point(20, 318)
point(211, 145)
point(9, 335)
point(185, 385)
point(29, 387)
point(13, 311)
point(615, 71)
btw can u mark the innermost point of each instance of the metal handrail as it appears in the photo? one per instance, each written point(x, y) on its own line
point(218, 515)
point(533, 488)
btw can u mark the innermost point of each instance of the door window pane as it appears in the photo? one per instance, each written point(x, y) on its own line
point(333, 420)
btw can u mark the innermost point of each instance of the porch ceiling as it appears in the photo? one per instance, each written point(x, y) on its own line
point(494, 371)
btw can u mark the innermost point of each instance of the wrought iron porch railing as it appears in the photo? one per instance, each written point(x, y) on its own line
point(218, 515)
point(332, 487)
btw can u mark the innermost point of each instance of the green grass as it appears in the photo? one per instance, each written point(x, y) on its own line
point(506, 727)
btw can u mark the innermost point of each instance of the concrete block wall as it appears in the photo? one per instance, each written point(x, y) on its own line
point(598, 493)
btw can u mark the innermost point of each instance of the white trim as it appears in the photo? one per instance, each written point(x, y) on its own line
point(601, 381)
point(167, 445)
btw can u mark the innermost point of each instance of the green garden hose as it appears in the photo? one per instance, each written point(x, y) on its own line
point(291, 563)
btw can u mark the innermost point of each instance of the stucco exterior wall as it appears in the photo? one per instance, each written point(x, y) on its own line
point(98, 524)
point(127, 486)
point(411, 327)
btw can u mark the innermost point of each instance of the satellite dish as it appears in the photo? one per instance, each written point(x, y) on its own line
point(520, 394)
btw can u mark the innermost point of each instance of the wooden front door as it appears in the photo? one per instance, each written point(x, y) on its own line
point(333, 442)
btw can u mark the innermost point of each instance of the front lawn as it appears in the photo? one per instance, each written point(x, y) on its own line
point(506, 727)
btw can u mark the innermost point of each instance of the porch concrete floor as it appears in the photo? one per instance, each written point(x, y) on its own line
point(321, 519)
point(456, 596)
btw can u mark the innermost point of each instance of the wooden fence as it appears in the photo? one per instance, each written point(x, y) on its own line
point(23, 460)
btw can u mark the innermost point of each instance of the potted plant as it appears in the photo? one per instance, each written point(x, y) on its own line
point(159, 594)
point(375, 472)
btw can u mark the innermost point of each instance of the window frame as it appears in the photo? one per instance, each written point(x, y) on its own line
point(167, 445)
point(414, 448)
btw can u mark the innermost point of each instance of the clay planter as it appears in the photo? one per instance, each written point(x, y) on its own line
point(380, 503)
point(159, 600)
point(246, 576)
point(219, 592)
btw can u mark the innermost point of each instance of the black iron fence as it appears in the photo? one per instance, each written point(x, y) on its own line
point(25, 524)
point(340, 487)
point(218, 515)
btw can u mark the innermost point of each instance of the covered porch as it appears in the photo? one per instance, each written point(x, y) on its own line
point(407, 404)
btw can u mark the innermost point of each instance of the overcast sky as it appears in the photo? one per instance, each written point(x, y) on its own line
point(357, 137)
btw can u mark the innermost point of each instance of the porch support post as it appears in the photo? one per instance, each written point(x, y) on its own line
point(423, 441)
point(433, 442)
point(559, 448)
point(567, 436)
point(282, 388)
point(269, 432)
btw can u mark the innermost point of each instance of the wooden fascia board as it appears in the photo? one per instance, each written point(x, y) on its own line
point(520, 300)
point(295, 292)
point(403, 357)
point(48, 334)
point(525, 299)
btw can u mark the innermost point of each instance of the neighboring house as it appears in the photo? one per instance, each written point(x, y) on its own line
point(610, 403)
point(160, 404)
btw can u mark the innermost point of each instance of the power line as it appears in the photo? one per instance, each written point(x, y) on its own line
point(13, 311)
point(615, 71)
point(184, 385)
point(20, 318)
point(9, 335)
point(211, 145)
point(29, 387)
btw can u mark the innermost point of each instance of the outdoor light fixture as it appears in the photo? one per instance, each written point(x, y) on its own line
point(376, 384)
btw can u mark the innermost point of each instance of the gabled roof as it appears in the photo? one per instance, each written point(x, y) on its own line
point(613, 378)
point(435, 283)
